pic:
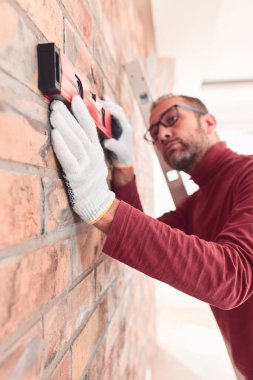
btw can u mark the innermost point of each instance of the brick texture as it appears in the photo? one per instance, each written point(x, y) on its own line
point(20, 141)
point(81, 18)
point(63, 370)
point(67, 310)
point(20, 208)
point(85, 343)
point(57, 209)
point(24, 360)
point(42, 12)
point(66, 317)
point(87, 250)
point(18, 42)
point(25, 135)
point(82, 59)
point(29, 282)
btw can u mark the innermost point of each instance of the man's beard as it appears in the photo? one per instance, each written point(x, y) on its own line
point(186, 156)
point(182, 159)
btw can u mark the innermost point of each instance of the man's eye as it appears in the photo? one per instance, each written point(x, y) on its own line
point(170, 120)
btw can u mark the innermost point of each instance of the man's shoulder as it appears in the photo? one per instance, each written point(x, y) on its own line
point(240, 160)
point(246, 161)
point(242, 169)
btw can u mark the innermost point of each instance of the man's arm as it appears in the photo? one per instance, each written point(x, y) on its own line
point(124, 186)
point(105, 222)
point(122, 176)
point(217, 272)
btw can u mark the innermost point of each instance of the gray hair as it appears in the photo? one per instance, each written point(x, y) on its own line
point(189, 99)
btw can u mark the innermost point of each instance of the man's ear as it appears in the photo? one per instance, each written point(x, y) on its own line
point(210, 122)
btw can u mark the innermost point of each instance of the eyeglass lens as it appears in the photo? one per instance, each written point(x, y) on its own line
point(167, 120)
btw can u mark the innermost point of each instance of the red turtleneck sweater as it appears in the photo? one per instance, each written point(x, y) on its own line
point(204, 248)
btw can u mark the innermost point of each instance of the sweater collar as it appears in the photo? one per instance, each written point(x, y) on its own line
point(209, 164)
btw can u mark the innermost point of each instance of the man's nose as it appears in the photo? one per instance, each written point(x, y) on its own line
point(164, 133)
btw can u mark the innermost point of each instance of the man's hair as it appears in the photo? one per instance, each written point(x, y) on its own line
point(190, 100)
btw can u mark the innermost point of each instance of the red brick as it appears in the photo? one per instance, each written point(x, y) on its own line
point(126, 345)
point(126, 25)
point(131, 110)
point(20, 208)
point(111, 11)
point(112, 334)
point(81, 18)
point(101, 359)
point(25, 359)
point(63, 370)
point(87, 250)
point(24, 138)
point(30, 282)
point(115, 356)
point(47, 16)
point(104, 26)
point(109, 304)
point(105, 274)
point(103, 57)
point(20, 141)
point(58, 212)
point(18, 54)
point(98, 363)
point(62, 321)
point(97, 11)
point(108, 32)
point(16, 98)
point(84, 345)
point(120, 285)
point(132, 27)
point(79, 55)
point(57, 329)
point(124, 363)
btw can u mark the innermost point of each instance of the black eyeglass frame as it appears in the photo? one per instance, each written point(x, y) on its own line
point(202, 112)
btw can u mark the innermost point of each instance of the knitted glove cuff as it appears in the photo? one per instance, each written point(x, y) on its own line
point(92, 209)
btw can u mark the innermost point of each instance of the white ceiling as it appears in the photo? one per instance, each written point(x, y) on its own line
point(211, 42)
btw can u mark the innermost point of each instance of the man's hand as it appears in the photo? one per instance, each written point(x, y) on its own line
point(121, 148)
point(76, 144)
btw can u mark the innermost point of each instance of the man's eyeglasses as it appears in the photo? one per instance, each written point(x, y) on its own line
point(168, 119)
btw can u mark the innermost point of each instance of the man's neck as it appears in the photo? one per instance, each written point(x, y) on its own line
point(192, 168)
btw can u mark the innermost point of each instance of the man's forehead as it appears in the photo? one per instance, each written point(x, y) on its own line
point(163, 106)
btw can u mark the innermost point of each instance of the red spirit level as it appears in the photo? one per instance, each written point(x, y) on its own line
point(58, 80)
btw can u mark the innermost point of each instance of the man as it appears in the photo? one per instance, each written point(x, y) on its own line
point(205, 247)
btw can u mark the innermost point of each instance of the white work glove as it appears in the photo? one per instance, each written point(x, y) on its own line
point(76, 144)
point(121, 147)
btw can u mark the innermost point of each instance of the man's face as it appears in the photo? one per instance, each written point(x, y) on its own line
point(184, 144)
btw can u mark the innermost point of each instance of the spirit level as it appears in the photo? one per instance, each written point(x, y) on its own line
point(58, 79)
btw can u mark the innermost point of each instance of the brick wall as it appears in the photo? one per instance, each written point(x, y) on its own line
point(67, 310)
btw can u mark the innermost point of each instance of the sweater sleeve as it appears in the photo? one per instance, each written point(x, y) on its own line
point(179, 217)
point(219, 273)
point(129, 194)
